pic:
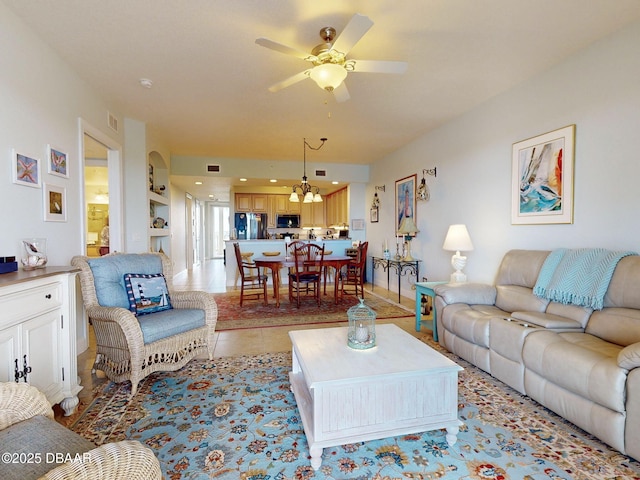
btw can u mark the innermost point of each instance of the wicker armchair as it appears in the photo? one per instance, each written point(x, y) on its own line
point(28, 430)
point(130, 347)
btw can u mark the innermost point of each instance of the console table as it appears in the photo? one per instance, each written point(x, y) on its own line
point(401, 267)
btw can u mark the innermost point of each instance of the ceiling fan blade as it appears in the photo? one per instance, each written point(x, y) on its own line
point(376, 66)
point(352, 33)
point(287, 82)
point(278, 47)
point(341, 93)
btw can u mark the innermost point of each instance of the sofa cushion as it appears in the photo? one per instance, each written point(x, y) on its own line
point(470, 322)
point(511, 298)
point(616, 325)
point(167, 323)
point(578, 362)
point(108, 275)
point(45, 441)
point(521, 267)
point(623, 289)
point(147, 293)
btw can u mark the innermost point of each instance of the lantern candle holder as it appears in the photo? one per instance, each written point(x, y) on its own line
point(361, 333)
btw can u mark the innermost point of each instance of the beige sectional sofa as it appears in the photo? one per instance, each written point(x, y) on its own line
point(581, 363)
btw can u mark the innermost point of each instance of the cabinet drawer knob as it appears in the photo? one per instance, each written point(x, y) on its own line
point(48, 296)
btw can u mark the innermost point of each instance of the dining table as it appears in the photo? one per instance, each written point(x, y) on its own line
point(276, 263)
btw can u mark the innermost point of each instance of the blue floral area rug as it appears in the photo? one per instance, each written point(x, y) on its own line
point(235, 418)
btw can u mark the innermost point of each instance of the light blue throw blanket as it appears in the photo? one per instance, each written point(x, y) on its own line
point(578, 277)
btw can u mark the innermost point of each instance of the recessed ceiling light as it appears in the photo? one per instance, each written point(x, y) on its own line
point(198, 183)
point(335, 183)
point(243, 179)
point(146, 83)
point(273, 180)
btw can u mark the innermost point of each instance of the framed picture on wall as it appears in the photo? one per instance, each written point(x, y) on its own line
point(542, 178)
point(57, 162)
point(374, 214)
point(26, 169)
point(405, 199)
point(55, 203)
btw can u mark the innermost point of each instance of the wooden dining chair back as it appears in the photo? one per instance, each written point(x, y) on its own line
point(306, 274)
point(353, 274)
point(254, 283)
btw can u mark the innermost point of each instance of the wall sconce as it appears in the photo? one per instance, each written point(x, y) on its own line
point(423, 190)
point(376, 199)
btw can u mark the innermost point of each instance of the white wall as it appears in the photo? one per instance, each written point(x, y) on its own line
point(41, 100)
point(598, 90)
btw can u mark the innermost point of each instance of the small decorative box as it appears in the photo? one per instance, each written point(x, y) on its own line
point(8, 264)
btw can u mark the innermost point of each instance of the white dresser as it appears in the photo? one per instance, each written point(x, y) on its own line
point(38, 332)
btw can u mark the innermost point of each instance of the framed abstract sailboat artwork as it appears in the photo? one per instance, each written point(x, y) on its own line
point(542, 178)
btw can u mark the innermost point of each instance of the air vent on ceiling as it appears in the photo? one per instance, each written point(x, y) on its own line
point(321, 173)
point(213, 168)
point(112, 121)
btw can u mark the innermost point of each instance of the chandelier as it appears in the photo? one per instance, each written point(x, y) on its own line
point(308, 191)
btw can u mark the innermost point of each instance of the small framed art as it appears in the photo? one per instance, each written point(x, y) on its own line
point(57, 162)
point(374, 214)
point(26, 170)
point(55, 203)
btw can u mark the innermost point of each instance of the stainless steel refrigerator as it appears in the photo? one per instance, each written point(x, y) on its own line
point(251, 225)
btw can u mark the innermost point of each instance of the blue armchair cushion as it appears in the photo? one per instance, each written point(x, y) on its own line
point(167, 323)
point(147, 293)
point(108, 275)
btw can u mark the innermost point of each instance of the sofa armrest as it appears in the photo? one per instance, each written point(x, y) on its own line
point(469, 293)
point(20, 401)
point(196, 299)
point(125, 459)
point(629, 356)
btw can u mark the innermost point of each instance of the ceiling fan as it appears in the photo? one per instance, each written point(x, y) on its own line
point(329, 59)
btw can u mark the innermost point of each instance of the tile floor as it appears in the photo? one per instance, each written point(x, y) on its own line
point(210, 277)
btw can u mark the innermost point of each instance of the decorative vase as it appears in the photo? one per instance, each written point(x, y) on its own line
point(361, 333)
point(34, 253)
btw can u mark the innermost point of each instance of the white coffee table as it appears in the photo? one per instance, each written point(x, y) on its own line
point(401, 386)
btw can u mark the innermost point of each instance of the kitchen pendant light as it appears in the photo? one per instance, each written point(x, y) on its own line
point(308, 191)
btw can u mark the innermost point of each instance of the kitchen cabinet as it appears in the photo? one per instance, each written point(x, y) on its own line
point(38, 333)
point(312, 215)
point(243, 202)
point(337, 208)
point(284, 206)
point(252, 202)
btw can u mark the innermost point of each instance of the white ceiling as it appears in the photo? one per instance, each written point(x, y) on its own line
point(209, 95)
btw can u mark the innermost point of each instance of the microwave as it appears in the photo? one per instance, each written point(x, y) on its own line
point(288, 221)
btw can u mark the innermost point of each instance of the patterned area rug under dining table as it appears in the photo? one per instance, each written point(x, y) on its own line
point(254, 314)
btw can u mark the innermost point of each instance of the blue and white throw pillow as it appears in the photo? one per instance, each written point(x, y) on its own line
point(147, 293)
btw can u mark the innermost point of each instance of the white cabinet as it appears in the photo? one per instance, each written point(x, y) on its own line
point(38, 333)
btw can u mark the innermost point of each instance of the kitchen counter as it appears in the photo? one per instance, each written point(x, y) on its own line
point(258, 247)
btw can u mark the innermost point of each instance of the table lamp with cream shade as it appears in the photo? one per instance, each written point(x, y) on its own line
point(458, 240)
point(408, 228)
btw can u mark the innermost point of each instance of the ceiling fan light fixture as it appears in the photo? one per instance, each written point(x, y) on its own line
point(328, 76)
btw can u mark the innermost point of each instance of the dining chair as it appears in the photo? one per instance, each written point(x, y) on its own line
point(353, 274)
point(306, 274)
point(253, 283)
